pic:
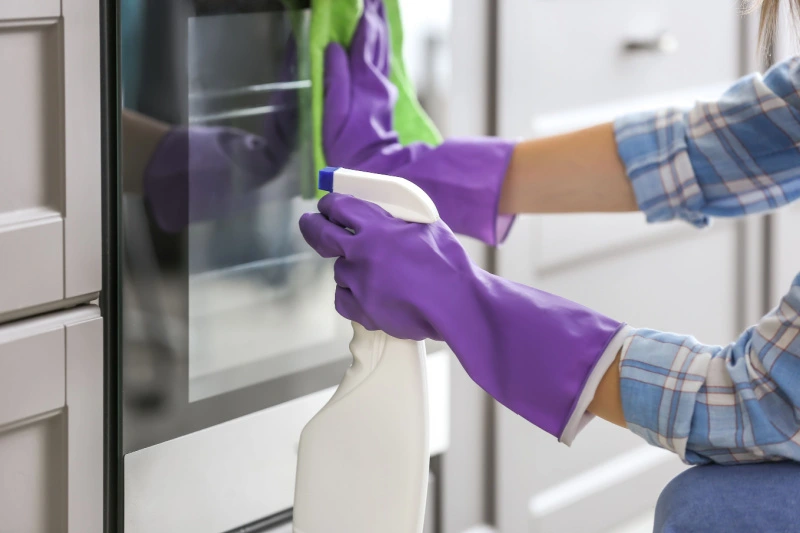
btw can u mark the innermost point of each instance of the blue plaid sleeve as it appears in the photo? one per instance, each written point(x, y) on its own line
point(732, 404)
point(733, 157)
point(740, 155)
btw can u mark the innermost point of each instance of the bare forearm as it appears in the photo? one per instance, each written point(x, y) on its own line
point(578, 172)
point(607, 402)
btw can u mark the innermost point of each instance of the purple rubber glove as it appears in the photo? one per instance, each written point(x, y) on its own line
point(530, 350)
point(463, 177)
point(202, 172)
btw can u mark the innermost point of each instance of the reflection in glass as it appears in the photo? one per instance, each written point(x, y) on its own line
point(221, 296)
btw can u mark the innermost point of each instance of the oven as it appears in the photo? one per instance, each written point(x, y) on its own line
point(228, 337)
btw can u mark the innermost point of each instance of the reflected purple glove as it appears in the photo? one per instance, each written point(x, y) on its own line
point(530, 350)
point(463, 177)
point(204, 172)
point(200, 173)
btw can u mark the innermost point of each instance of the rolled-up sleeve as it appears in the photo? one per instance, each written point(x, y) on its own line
point(737, 156)
point(733, 157)
point(722, 404)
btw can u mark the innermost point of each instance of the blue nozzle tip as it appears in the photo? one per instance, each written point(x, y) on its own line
point(326, 178)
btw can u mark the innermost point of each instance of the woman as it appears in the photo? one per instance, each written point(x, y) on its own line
point(552, 361)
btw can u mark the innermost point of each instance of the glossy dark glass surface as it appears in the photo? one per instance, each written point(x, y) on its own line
point(230, 312)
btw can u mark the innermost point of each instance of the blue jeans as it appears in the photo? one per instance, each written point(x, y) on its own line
point(763, 498)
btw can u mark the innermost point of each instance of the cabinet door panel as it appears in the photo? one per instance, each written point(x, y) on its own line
point(51, 423)
point(31, 177)
point(50, 173)
point(556, 56)
point(33, 480)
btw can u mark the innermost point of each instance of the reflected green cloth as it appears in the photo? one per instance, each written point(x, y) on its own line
point(336, 21)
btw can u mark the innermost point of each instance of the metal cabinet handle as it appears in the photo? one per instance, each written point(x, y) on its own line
point(665, 43)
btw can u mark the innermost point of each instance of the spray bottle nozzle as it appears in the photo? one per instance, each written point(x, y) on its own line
point(401, 198)
point(325, 182)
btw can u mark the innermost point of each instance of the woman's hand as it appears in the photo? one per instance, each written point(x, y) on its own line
point(358, 127)
point(197, 172)
point(391, 275)
point(532, 351)
point(463, 177)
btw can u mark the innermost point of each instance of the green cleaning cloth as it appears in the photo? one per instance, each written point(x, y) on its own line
point(336, 21)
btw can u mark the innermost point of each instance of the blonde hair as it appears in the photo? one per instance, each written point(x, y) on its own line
point(770, 10)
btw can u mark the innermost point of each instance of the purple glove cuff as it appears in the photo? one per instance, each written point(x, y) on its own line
point(591, 374)
point(539, 349)
point(464, 178)
point(532, 351)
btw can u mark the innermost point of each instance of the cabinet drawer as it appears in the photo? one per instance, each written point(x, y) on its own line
point(51, 423)
point(560, 55)
point(34, 477)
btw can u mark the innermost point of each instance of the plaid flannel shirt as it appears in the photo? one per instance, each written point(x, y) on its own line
point(739, 155)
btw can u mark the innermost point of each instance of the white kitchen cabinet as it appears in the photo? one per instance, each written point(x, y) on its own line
point(544, 486)
point(34, 477)
point(563, 66)
point(785, 258)
point(51, 423)
point(652, 281)
point(554, 56)
point(51, 365)
point(50, 189)
point(643, 274)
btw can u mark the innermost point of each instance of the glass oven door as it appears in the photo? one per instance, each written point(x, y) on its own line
point(225, 310)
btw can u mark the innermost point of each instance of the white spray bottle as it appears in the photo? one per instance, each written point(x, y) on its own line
point(363, 459)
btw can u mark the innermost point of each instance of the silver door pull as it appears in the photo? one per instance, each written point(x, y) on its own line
point(665, 43)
